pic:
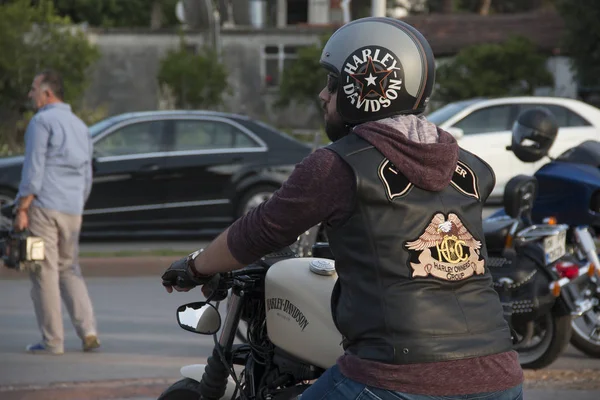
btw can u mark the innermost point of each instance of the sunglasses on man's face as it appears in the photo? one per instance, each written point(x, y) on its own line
point(332, 83)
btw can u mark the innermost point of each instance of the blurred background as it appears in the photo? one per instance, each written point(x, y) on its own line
point(199, 110)
point(243, 77)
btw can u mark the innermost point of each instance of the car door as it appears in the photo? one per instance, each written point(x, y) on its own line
point(204, 154)
point(128, 191)
point(573, 128)
point(486, 133)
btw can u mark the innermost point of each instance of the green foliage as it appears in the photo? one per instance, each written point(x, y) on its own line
point(116, 13)
point(582, 39)
point(305, 77)
point(493, 70)
point(33, 38)
point(195, 80)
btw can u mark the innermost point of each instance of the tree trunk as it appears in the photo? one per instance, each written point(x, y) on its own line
point(156, 18)
point(484, 9)
point(447, 6)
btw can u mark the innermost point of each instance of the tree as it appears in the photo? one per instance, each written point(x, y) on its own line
point(195, 80)
point(511, 68)
point(305, 77)
point(33, 38)
point(116, 13)
point(582, 39)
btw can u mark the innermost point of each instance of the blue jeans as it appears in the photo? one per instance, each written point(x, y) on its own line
point(333, 385)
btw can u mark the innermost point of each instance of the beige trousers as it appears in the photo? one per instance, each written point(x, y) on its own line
point(59, 276)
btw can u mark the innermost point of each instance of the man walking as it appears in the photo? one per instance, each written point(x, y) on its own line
point(55, 184)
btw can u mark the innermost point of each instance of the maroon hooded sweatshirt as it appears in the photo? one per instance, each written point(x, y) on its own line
point(322, 188)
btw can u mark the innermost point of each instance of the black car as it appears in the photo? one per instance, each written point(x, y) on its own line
point(177, 172)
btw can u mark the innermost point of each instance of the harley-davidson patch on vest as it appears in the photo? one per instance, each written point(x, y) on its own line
point(396, 184)
point(446, 250)
point(465, 180)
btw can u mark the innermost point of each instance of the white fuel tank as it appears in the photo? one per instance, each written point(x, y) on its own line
point(299, 321)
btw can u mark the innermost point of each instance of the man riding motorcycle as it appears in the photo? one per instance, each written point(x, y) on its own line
point(402, 205)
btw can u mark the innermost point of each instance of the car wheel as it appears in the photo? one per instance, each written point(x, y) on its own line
point(253, 197)
point(6, 197)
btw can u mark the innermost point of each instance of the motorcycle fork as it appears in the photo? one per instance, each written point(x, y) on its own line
point(232, 319)
point(234, 312)
point(589, 250)
point(213, 384)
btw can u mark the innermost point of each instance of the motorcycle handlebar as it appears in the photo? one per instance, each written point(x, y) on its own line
point(218, 286)
point(249, 270)
point(225, 279)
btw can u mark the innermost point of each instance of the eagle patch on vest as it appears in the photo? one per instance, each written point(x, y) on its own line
point(396, 184)
point(446, 250)
point(465, 180)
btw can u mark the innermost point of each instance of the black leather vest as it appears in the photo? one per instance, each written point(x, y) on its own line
point(413, 285)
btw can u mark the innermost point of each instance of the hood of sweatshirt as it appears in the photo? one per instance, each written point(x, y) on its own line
point(424, 153)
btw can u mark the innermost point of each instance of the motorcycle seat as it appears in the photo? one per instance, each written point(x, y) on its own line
point(519, 194)
point(495, 231)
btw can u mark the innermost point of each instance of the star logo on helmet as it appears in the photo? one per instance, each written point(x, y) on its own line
point(371, 80)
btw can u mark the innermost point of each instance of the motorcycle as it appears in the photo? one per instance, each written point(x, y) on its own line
point(291, 335)
point(302, 247)
point(292, 338)
point(569, 192)
point(538, 281)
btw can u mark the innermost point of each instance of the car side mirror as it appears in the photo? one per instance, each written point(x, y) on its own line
point(456, 132)
point(199, 317)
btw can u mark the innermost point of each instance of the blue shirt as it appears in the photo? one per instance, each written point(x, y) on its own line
point(58, 160)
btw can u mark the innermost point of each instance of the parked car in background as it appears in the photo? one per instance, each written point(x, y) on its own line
point(483, 127)
point(176, 172)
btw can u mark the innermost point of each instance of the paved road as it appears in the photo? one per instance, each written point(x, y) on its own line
point(138, 329)
point(140, 335)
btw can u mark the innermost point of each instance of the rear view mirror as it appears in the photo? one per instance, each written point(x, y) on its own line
point(456, 132)
point(199, 317)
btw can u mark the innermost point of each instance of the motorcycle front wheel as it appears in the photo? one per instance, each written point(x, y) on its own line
point(543, 340)
point(586, 333)
point(184, 389)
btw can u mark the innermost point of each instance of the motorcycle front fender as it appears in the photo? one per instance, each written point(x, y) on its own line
point(195, 372)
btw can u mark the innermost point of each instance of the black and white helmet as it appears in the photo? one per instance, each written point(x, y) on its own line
point(381, 66)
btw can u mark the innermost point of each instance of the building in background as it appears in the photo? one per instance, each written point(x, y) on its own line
point(260, 38)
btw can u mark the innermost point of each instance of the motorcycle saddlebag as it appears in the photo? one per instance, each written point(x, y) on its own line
point(523, 287)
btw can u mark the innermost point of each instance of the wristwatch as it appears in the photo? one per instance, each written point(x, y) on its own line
point(191, 264)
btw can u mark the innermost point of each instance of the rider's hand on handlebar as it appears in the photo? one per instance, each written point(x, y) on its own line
point(179, 276)
point(215, 289)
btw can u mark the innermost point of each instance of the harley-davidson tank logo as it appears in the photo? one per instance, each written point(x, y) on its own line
point(396, 184)
point(465, 180)
point(276, 303)
point(446, 250)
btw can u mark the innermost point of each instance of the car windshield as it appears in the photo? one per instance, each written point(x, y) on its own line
point(445, 113)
